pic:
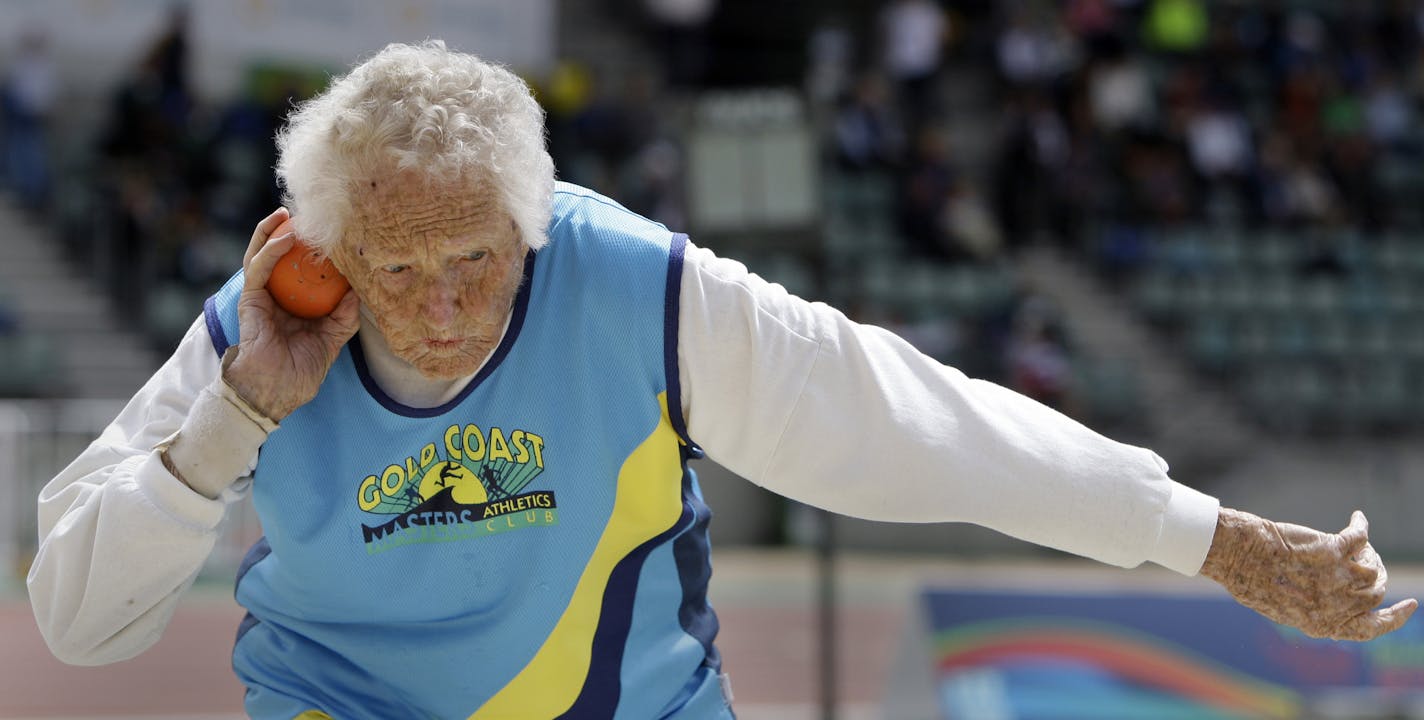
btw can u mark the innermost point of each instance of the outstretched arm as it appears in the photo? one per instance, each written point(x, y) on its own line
point(1327, 585)
point(799, 399)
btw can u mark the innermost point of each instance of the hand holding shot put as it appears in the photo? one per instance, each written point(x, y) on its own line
point(282, 359)
point(481, 457)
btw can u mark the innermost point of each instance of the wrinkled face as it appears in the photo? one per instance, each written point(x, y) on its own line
point(436, 268)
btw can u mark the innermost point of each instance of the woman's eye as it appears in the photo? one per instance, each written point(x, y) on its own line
point(393, 269)
point(477, 255)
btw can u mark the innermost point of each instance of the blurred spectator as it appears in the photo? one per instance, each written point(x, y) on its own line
point(930, 179)
point(158, 166)
point(1092, 20)
point(650, 175)
point(913, 35)
point(151, 107)
point(681, 29)
point(1034, 153)
point(1302, 104)
point(829, 58)
point(1220, 147)
point(942, 216)
point(866, 133)
point(1178, 26)
point(615, 137)
point(1271, 169)
point(1119, 89)
point(1298, 191)
point(203, 259)
point(1231, 46)
point(1182, 95)
point(1082, 191)
point(1296, 39)
point(1352, 168)
point(653, 183)
point(170, 57)
point(971, 225)
point(1035, 47)
point(1157, 182)
point(28, 99)
point(610, 130)
point(1389, 112)
point(1037, 356)
point(1397, 32)
point(243, 147)
point(566, 92)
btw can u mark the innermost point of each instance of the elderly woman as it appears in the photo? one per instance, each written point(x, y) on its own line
point(473, 473)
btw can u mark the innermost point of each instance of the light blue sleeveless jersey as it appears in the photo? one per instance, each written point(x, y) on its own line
point(534, 548)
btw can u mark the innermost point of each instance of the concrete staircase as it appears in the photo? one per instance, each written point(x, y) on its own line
point(96, 357)
point(1196, 427)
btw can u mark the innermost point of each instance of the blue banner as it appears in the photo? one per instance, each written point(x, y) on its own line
point(1021, 656)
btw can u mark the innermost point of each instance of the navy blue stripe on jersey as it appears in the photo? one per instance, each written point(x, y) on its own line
point(603, 685)
point(255, 554)
point(220, 313)
point(692, 552)
point(671, 309)
point(516, 322)
point(248, 622)
point(215, 328)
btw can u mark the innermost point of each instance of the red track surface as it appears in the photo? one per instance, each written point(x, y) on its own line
point(768, 649)
point(187, 672)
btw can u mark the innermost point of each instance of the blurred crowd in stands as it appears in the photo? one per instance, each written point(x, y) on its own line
point(1181, 111)
point(1145, 113)
point(1118, 121)
point(1099, 121)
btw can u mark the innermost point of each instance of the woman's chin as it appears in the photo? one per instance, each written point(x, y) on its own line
point(446, 372)
point(440, 366)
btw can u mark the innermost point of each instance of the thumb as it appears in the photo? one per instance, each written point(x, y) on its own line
point(1356, 534)
point(344, 320)
point(1372, 625)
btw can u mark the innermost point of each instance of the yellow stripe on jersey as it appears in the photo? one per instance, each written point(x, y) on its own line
point(647, 503)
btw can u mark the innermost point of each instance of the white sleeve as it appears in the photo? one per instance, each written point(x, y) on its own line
point(850, 418)
point(120, 537)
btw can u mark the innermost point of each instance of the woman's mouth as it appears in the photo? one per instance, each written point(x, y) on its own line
point(443, 343)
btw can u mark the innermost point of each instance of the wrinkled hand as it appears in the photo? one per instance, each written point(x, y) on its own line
point(282, 359)
point(1328, 586)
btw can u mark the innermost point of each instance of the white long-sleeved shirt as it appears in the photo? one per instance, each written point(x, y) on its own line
point(789, 394)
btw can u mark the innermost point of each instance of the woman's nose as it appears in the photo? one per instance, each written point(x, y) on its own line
point(440, 305)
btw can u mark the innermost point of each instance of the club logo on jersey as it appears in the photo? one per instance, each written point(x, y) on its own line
point(476, 487)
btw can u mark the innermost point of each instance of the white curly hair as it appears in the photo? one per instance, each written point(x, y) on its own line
point(445, 114)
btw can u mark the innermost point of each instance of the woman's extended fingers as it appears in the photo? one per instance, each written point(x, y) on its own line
point(259, 268)
point(1355, 535)
point(262, 232)
point(1371, 625)
point(1326, 585)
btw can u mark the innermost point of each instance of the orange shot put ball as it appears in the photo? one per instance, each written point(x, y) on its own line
point(305, 283)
